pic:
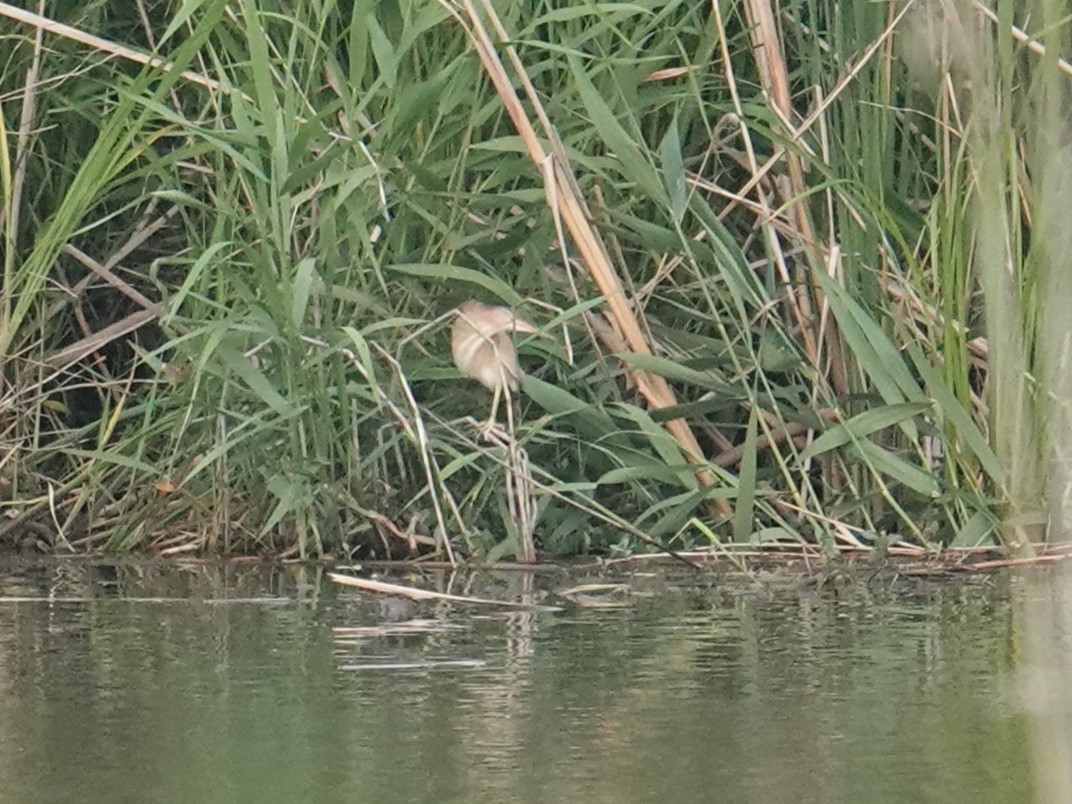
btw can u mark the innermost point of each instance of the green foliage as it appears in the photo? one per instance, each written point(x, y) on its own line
point(349, 175)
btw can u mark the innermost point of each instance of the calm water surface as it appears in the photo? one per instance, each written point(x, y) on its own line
point(170, 683)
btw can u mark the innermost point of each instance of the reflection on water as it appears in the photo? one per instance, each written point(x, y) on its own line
point(1044, 679)
point(143, 683)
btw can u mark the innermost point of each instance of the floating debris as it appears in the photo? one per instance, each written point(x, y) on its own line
point(424, 664)
point(383, 588)
point(601, 595)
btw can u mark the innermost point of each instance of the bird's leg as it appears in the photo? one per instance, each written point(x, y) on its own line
point(491, 425)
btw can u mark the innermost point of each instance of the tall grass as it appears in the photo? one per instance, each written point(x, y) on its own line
point(220, 278)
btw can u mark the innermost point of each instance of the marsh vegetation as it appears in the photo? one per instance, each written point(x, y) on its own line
point(799, 271)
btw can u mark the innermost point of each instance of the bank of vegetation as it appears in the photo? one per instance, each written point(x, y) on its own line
point(801, 272)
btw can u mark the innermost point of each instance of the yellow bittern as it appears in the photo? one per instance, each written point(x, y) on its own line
point(482, 348)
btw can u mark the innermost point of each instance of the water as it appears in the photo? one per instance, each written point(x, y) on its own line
point(166, 683)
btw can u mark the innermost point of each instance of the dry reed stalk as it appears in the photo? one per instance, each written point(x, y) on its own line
point(22, 141)
point(42, 23)
point(763, 208)
point(770, 62)
point(1020, 36)
point(804, 297)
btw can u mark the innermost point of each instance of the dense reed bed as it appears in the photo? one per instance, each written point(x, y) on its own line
point(800, 272)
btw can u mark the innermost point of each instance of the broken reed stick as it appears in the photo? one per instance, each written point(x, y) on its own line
point(566, 200)
point(384, 588)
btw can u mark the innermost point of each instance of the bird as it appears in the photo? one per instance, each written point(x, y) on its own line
point(482, 348)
